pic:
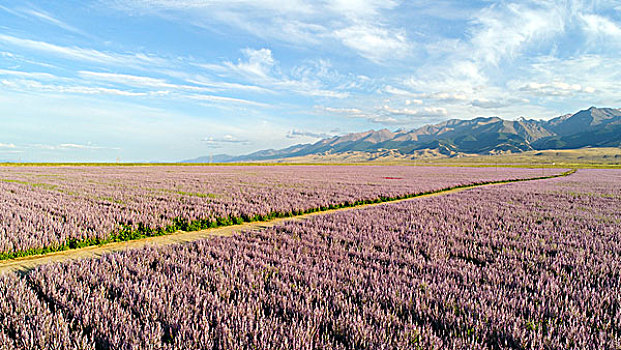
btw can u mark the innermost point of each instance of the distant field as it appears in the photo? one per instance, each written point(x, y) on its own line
point(533, 265)
point(578, 158)
point(48, 209)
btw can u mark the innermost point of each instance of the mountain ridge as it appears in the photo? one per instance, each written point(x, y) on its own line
point(593, 127)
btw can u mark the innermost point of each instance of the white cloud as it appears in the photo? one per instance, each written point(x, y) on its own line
point(356, 114)
point(32, 85)
point(220, 85)
point(266, 6)
point(556, 88)
point(396, 91)
point(126, 79)
point(352, 111)
point(141, 81)
point(472, 69)
point(42, 15)
point(88, 90)
point(356, 9)
point(509, 63)
point(308, 88)
point(18, 60)
point(579, 81)
point(519, 57)
point(358, 24)
point(224, 99)
point(7, 145)
point(69, 146)
point(426, 111)
point(295, 32)
point(295, 134)
point(415, 102)
point(388, 115)
point(486, 103)
point(601, 27)
point(435, 111)
point(28, 75)
point(81, 54)
point(404, 111)
point(218, 142)
point(258, 65)
point(86, 147)
point(446, 97)
point(263, 70)
point(448, 82)
point(150, 87)
point(503, 31)
point(375, 43)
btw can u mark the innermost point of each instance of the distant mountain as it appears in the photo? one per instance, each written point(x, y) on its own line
point(218, 158)
point(594, 127)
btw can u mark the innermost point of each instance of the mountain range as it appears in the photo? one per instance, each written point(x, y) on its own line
point(593, 127)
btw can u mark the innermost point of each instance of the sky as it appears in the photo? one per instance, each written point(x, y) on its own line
point(167, 80)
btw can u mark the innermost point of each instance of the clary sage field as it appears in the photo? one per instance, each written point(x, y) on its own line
point(529, 265)
point(47, 209)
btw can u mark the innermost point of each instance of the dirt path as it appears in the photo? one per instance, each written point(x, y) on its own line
point(28, 263)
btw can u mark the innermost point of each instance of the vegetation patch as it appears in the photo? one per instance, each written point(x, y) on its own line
point(130, 231)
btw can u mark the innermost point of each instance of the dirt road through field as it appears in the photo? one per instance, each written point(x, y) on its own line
point(28, 263)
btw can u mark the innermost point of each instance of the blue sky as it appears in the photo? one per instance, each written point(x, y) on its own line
point(165, 80)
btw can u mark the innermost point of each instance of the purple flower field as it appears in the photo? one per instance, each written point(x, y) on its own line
point(533, 265)
point(50, 206)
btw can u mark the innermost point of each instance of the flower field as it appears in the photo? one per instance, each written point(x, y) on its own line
point(55, 208)
point(531, 265)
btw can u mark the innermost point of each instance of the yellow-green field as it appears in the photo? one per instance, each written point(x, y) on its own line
point(576, 158)
point(609, 157)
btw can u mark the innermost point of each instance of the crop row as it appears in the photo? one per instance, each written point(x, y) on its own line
point(48, 209)
point(533, 265)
